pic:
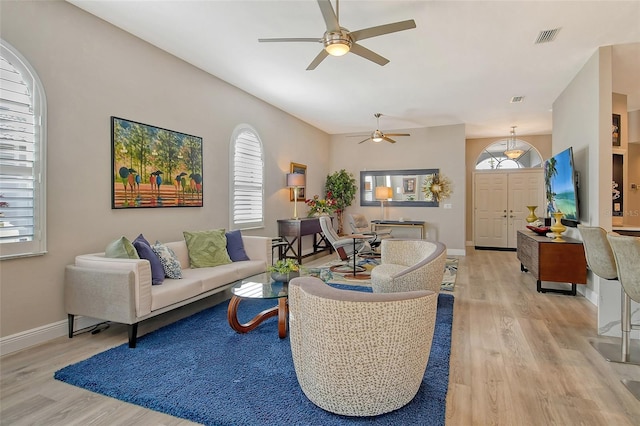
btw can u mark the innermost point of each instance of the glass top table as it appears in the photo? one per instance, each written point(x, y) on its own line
point(260, 286)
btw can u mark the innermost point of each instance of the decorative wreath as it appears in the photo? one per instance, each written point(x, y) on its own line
point(437, 186)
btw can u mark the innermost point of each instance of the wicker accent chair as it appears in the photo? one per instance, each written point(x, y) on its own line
point(408, 265)
point(357, 353)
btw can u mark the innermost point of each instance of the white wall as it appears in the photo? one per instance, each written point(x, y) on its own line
point(92, 70)
point(582, 119)
point(427, 148)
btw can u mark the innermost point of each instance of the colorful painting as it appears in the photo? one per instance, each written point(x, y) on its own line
point(154, 167)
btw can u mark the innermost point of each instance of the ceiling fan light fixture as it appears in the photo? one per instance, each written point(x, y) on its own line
point(377, 136)
point(337, 43)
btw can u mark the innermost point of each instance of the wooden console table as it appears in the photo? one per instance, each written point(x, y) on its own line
point(547, 260)
point(404, 224)
point(292, 231)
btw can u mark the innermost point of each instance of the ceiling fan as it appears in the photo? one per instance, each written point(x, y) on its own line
point(378, 136)
point(338, 40)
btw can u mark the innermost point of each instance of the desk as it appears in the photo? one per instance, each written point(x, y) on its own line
point(292, 231)
point(404, 224)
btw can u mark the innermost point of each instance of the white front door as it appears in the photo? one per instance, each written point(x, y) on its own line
point(500, 205)
point(490, 199)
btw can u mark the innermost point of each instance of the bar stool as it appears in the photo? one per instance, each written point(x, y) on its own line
point(602, 263)
point(626, 251)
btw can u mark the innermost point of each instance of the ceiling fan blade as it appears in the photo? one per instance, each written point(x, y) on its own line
point(312, 66)
point(277, 40)
point(397, 134)
point(388, 139)
point(330, 18)
point(382, 29)
point(364, 140)
point(368, 54)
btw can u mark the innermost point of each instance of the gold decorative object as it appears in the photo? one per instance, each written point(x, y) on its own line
point(558, 228)
point(532, 214)
point(437, 185)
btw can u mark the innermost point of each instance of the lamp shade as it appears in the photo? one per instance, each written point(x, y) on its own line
point(383, 193)
point(295, 180)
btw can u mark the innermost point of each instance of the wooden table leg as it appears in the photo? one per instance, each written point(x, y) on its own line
point(283, 313)
point(232, 316)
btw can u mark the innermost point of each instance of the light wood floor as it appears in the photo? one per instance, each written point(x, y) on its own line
point(518, 358)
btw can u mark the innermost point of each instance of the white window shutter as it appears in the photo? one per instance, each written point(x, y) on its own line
point(247, 180)
point(22, 155)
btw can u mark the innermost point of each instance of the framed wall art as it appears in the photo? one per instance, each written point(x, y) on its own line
point(615, 129)
point(409, 185)
point(154, 167)
point(302, 169)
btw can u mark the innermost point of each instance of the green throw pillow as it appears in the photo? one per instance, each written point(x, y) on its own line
point(121, 248)
point(207, 248)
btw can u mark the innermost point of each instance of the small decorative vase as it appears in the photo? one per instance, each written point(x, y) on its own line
point(558, 228)
point(532, 214)
point(284, 277)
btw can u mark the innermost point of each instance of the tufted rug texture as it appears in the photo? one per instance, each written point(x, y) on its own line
point(199, 369)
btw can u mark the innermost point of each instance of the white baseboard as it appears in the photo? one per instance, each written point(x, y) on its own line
point(457, 252)
point(43, 334)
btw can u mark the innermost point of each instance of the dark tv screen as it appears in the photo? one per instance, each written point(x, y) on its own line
point(561, 187)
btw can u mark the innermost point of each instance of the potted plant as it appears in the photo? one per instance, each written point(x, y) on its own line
point(341, 186)
point(284, 269)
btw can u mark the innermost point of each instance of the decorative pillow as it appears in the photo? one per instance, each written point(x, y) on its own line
point(235, 246)
point(169, 260)
point(207, 248)
point(121, 249)
point(144, 251)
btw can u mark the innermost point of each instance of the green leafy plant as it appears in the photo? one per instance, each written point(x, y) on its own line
point(284, 266)
point(341, 186)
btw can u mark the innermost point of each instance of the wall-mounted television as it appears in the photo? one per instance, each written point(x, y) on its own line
point(561, 187)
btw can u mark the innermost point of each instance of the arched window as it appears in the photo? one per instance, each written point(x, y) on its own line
point(247, 179)
point(494, 158)
point(22, 157)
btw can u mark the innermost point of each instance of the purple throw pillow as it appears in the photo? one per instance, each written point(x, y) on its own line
point(145, 252)
point(235, 246)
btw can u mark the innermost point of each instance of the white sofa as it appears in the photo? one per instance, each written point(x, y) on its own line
point(120, 290)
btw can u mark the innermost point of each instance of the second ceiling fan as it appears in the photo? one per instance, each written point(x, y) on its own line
point(378, 136)
point(339, 41)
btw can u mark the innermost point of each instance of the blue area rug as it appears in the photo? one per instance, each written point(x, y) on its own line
point(201, 370)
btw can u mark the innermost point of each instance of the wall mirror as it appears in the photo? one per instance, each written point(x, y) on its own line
point(405, 187)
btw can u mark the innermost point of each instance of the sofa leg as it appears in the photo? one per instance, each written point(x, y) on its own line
point(133, 332)
point(70, 320)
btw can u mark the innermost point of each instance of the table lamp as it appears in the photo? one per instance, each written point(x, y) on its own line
point(295, 181)
point(383, 193)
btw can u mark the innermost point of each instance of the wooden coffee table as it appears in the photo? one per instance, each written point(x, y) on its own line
point(260, 286)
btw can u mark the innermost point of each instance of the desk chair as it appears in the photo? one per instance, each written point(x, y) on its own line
point(359, 224)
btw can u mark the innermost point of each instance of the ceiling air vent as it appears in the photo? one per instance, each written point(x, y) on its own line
point(516, 99)
point(547, 36)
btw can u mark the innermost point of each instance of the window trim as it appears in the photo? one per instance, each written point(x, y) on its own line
point(239, 129)
point(38, 246)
